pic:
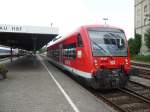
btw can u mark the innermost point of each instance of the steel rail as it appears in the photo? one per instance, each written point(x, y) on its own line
point(123, 100)
point(138, 89)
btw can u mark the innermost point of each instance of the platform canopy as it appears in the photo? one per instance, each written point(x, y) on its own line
point(26, 37)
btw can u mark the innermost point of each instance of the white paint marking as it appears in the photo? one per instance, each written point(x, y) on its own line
point(61, 88)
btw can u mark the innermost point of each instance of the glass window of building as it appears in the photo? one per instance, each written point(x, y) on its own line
point(145, 8)
point(145, 21)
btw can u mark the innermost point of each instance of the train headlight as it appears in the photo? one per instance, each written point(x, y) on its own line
point(96, 63)
point(126, 61)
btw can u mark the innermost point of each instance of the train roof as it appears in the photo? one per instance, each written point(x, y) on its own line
point(61, 38)
point(99, 25)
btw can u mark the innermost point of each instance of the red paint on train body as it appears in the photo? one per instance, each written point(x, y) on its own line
point(93, 51)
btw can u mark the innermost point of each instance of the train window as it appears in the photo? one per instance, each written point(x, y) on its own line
point(79, 41)
point(54, 52)
point(120, 43)
point(69, 51)
point(109, 42)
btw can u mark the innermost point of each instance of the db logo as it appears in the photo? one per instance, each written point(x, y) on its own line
point(79, 54)
point(112, 62)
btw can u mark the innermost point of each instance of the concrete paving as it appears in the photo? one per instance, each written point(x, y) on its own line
point(30, 88)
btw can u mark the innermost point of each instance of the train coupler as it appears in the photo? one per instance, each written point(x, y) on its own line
point(111, 78)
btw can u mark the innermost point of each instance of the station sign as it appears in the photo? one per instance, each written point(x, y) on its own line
point(28, 29)
point(11, 28)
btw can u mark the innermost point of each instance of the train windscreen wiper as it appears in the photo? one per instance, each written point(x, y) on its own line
point(106, 52)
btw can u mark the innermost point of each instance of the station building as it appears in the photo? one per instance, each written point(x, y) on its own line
point(142, 21)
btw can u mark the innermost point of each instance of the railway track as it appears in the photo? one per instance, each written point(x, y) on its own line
point(147, 65)
point(126, 101)
point(133, 98)
point(143, 68)
point(139, 89)
point(144, 74)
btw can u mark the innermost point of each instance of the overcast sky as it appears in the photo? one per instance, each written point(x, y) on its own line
point(67, 15)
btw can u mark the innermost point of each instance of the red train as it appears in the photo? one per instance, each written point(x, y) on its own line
point(97, 53)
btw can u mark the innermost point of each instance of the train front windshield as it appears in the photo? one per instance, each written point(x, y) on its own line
point(108, 42)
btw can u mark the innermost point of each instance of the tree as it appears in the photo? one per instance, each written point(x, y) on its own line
point(135, 44)
point(131, 45)
point(42, 50)
point(147, 38)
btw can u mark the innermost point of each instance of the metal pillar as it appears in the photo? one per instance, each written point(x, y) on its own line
point(46, 48)
point(11, 54)
point(34, 50)
point(34, 45)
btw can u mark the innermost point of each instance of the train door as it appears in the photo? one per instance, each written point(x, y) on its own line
point(80, 53)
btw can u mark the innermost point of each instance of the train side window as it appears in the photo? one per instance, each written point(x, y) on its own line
point(79, 41)
point(69, 51)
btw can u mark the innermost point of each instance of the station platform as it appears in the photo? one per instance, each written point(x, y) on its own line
point(34, 85)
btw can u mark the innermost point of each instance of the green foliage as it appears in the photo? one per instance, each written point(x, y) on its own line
point(135, 44)
point(3, 71)
point(138, 42)
point(131, 45)
point(42, 50)
point(147, 38)
point(141, 58)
